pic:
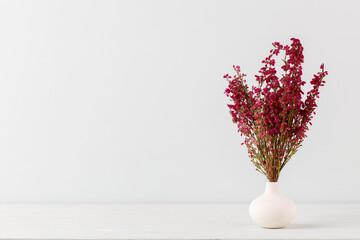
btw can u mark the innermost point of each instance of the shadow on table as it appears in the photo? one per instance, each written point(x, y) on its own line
point(304, 226)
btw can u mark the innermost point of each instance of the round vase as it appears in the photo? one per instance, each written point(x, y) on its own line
point(272, 209)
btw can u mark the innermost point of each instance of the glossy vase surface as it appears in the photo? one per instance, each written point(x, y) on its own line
point(272, 209)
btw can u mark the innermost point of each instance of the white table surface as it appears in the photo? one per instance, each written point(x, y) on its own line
point(171, 221)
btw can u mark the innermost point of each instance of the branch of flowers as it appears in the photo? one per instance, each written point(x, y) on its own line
point(272, 117)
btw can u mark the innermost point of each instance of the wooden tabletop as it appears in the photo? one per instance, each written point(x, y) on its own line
point(171, 221)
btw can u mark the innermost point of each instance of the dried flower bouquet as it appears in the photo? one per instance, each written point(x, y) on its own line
point(274, 115)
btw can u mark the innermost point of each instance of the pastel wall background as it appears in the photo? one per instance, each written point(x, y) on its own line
point(122, 101)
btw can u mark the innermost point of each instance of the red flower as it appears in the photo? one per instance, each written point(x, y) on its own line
point(273, 117)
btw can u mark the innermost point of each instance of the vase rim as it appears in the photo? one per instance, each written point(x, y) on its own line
point(272, 183)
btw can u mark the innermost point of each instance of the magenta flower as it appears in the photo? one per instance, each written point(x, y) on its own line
point(274, 115)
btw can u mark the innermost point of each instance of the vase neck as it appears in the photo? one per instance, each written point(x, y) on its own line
point(272, 188)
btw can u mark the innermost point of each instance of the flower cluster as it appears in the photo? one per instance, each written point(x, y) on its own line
point(274, 115)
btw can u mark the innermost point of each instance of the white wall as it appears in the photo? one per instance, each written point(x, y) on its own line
point(122, 101)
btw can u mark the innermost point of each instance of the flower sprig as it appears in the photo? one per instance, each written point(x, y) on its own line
point(273, 116)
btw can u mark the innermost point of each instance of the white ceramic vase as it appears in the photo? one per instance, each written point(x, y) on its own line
point(272, 209)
